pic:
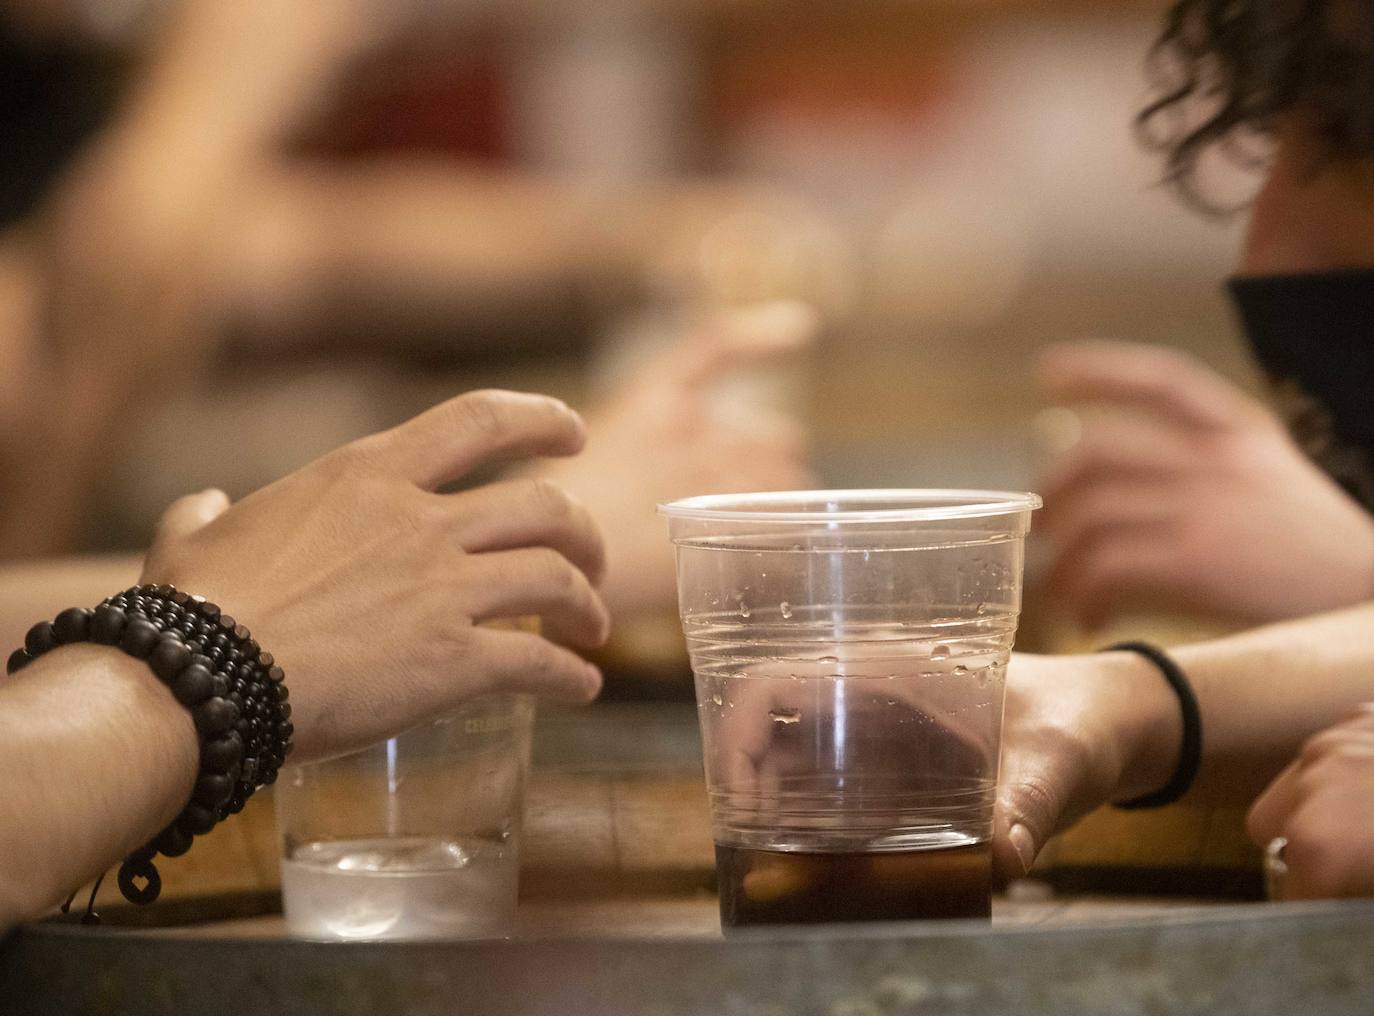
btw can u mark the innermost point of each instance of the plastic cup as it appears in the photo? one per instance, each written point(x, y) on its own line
point(850, 652)
point(415, 837)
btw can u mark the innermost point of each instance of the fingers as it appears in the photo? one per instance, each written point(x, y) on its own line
point(187, 514)
point(1112, 504)
point(1311, 804)
point(515, 661)
point(450, 440)
point(740, 339)
point(537, 580)
point(1110, 566)
point(521, 513)
point(1121, 505)
point(1271, 809)
point(1116, 447)
point(1155, 379)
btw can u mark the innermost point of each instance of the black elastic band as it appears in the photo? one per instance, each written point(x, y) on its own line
point(1190, 752)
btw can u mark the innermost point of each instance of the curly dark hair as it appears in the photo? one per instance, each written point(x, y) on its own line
point(1227, 70)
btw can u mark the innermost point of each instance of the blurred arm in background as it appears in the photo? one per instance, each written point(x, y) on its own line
point(1182, 491)
point(665, 433)
point(191, 211)
point(110, 289)
point(371, 248)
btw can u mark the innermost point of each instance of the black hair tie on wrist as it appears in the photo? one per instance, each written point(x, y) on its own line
point(214, 667)
point(1190, 752)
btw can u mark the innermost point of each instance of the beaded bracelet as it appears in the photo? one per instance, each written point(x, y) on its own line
point(234, 691)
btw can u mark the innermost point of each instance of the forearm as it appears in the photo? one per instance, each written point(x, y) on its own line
point(227, 81)
point(1262, 693)
point(33, 590)
point(434, 242)
point(98, 758)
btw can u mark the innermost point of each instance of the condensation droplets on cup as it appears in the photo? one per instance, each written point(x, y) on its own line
point(856, 725)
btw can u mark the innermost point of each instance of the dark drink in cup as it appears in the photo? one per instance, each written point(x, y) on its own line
point(793, 887)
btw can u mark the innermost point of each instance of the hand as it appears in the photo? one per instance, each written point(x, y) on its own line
point(1078, 732)
point(658, 438)
point(911, 725)
point(1322, 804)
point(368, 587)
point(1185, 491)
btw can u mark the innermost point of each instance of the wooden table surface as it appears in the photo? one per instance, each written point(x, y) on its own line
point(695, 916)
point(617, 843)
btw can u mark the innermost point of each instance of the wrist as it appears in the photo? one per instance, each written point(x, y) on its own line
point(1148, 724)
point(115, 687)
point(108, 758)
point(230, 687)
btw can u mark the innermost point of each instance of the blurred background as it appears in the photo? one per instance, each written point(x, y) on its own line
point(237, 233)
point(294, 224)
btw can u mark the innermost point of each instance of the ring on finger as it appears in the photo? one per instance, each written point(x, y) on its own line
point(1275, 867)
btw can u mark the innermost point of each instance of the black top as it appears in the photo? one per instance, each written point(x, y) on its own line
point(1314, 335)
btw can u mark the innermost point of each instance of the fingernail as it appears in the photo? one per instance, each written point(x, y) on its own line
point(594, 679)
point(1024, 846)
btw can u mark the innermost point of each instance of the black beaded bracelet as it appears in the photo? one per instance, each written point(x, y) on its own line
point(235, 693)
point(1190, 750)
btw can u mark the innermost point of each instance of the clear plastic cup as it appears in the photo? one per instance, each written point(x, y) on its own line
point(850, 653)
point(415, 837)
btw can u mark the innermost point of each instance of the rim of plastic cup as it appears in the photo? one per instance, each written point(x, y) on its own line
point(884, 505)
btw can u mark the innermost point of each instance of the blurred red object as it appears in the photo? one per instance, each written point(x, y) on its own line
point(448, 96)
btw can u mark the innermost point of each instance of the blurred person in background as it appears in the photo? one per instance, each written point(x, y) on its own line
point(193, 212)
point(1181, 490)
point(1198, 495)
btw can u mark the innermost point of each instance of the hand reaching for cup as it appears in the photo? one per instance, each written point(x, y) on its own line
point(663, 436)
point(367, 586)
point(1184, 491)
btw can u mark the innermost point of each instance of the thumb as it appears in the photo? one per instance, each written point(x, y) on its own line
point(1030, 809)
point(187, 514)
